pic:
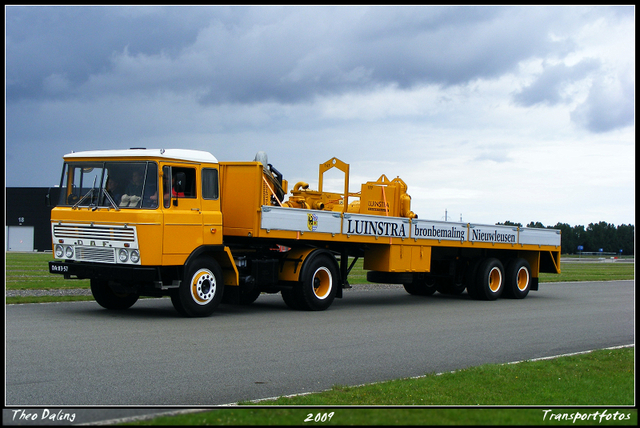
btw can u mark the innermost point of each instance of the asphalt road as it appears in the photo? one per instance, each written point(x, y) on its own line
point(78, 354)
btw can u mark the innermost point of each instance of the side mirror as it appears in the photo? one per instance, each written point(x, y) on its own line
point(51, 198)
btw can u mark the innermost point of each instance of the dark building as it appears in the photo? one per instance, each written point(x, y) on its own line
point(28, 218)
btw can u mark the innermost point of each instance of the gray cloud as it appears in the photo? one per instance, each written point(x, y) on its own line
point(249, 54)
point(609, 106)
point(548, 86)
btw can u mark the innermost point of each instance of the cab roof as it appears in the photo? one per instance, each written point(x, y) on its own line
point(174, 154)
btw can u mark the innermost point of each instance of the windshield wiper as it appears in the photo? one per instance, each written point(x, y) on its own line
point(90, 192)
point(110, 199)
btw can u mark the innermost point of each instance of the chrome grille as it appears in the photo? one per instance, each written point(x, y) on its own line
point(106, 233)
point(96, 254)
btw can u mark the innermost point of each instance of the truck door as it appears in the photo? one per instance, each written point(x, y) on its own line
point(211, 214)
point(182, 213)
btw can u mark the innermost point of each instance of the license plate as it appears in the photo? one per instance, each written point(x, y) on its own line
point(58, 268)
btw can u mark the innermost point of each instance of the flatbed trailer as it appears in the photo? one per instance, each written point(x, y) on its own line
point(226, 232)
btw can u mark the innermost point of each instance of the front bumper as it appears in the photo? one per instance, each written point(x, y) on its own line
point(124, 273)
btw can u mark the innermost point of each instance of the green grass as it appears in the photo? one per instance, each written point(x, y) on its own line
point(591, 271)
point(597, 378)
point(25, 271)
point(30, 271)
point(602, 378)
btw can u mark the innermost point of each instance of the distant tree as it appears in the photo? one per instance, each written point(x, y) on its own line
point(600, 236)
point(569, 238)
point(510, 223)
point(537, 225)
point(625, 237)
point(595, 236)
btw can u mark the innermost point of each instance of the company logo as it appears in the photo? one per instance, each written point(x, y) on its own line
point(312, 222)
point(376, 228)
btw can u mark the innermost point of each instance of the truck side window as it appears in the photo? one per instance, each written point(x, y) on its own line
point(183, 183)
point(166, 186)
point(209, 183)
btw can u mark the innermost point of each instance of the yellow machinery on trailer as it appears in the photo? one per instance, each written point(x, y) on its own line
point(179, 223)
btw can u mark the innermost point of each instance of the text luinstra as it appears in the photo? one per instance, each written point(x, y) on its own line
point(376, 228)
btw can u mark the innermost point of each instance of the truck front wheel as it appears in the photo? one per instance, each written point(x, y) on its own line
point(201, 289)
point(319, 284)
point(109, 299)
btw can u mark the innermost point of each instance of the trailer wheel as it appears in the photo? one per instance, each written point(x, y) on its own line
point(109, 299)
point(451, 286)
point(201, 289)
point(319, 284)
point(489, 283)
point(424, 287)
point(471, 277)
point(517, 279)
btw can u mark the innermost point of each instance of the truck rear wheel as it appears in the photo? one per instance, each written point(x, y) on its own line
point(109, 299)
point(319, 284)
point(451, 286)
point(517, 279)
point(489, 280)
point(201, 289)
point(423, 287)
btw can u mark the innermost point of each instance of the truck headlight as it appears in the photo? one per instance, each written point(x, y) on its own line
point(123, 255)
point(135, 256)
point(59, 251)
point(68, 252)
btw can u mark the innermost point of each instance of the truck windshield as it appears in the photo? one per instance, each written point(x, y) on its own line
point(109, 184)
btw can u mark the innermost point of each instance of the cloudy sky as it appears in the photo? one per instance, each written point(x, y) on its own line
point(488, 113)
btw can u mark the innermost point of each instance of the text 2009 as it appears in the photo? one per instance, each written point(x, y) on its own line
point(319, 417)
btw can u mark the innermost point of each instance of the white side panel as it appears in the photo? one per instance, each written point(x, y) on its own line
point(373, 225)
point(539, 236)
point(298, 220)
point(429, 229)
point(493, 234)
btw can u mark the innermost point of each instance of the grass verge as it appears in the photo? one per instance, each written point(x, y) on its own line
point(600, 378)
point(29, 271)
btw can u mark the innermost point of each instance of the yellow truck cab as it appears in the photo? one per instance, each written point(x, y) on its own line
point(178, 223)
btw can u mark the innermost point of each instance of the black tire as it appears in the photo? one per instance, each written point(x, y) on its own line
point(201, 289)
point(234, 296)
point(489, 280)
point(518, 279)
point(109, 299)
point(319, 283)
point(291, 299)
point(249, 297)
point(424, 287)
point(450, 286)
point(471, 278)
point(390, 277)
